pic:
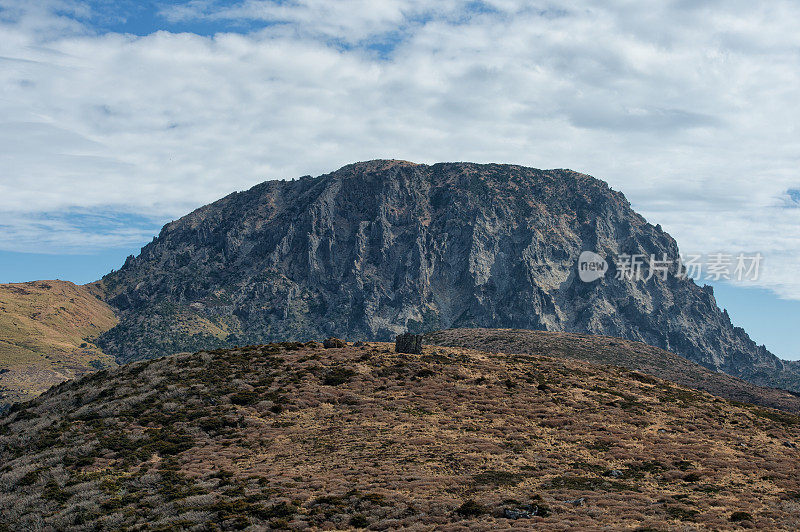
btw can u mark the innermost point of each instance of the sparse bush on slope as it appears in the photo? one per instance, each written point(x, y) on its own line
point(295, 436)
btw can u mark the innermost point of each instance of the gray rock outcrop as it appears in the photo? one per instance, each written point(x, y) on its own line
point(379, 248)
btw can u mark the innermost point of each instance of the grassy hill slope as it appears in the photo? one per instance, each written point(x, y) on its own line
point(46, 328)
point(619, 352)
point(292, 435)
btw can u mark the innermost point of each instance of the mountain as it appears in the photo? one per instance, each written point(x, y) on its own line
point(618, 352)
point(381, 247)
point(47, 330)
point(300, 437)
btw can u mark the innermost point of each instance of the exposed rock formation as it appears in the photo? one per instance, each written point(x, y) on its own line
point(333, 343)
point(384, 247)
point(408, 343)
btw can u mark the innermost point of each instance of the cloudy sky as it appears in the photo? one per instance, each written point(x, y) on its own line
point(116, 116)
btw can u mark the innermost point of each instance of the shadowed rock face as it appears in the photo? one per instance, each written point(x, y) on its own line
point(378, 248)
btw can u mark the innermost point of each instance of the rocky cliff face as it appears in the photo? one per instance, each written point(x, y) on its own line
point(382, 247)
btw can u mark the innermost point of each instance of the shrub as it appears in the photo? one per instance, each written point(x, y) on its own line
point(54, 492)
point(166, 443)
point(337, 376)
point(684, 514)
point(646, 379)
point(779, 417)
point(291, 346)
point(359, 521)
point(471, 508)
point(174, 486)
point(498, 478)
point(28, 478)
point(280, 510)
point(589, 483)
point(692, 477)
point(244, 398)
point(741, 516)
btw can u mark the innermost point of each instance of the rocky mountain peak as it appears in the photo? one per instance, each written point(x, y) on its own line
point(381, 247)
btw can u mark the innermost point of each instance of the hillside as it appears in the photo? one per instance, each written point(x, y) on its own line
point(294, 436)
point(47, 330)
point(381, 247)
point(618, 352)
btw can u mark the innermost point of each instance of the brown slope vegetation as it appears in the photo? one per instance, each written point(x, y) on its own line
point(46, 333)
point(296, 436)
point(619, 352)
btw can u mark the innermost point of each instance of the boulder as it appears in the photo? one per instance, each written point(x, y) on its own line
point(333, 343)
point(408, 343)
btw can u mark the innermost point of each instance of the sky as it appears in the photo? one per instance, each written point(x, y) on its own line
point(119, 116)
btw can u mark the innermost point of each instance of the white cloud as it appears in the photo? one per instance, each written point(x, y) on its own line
point(348, 21)
point(690, 108)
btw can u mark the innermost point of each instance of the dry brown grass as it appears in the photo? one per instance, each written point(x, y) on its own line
point(451, 439)
point(618, 352)
point(46, 332)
